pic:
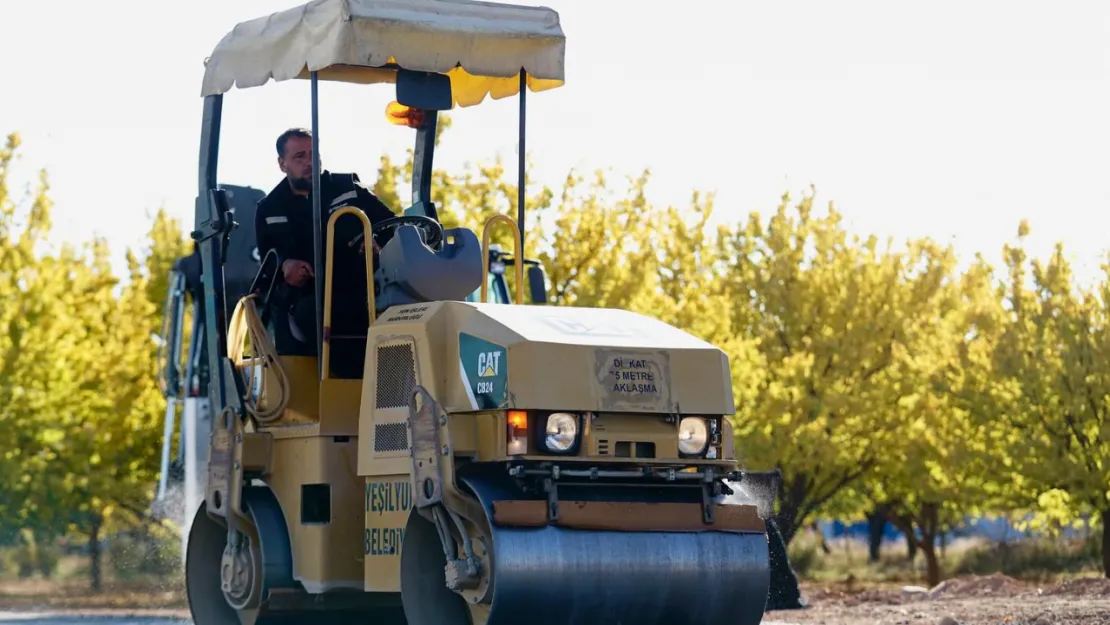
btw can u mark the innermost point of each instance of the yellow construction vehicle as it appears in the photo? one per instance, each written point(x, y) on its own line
point(453, 462)
point(183, 375)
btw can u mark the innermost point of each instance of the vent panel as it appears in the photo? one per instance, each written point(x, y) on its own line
point(391, 437)
point(396, 376)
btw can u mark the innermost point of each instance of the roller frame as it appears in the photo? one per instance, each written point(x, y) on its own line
point(436, 499)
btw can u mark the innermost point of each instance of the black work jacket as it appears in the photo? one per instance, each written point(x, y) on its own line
point(283, 222)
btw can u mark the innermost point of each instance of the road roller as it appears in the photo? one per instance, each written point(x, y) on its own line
point(448, 462)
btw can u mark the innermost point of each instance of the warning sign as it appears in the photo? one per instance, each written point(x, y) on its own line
point(640, 379)
point(634, 376)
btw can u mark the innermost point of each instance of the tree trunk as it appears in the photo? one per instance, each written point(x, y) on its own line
point(904, 523)
point(822, 542)
point(94, 553)
point(932, 564)
point(876, 524)
point(930, 527)
point(786, 521)
point(792, 495)
point(911, 544)
point(1106, 543)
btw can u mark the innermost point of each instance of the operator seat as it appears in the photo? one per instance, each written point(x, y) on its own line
point(410, 272)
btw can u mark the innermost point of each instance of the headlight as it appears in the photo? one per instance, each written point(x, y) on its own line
point(562, 432)
point(693, 436)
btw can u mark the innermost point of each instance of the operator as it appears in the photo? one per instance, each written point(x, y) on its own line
point(283, 222)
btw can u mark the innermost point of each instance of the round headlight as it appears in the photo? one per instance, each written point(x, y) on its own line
point(562, 431)
point(692, 435)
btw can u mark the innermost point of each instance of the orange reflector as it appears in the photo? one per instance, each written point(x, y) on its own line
point(517, 432)
point(518, 420)
point(400, 115)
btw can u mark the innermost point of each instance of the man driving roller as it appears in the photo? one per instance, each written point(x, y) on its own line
point(283, 222)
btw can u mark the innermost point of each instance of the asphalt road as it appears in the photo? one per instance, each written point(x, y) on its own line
point(49, 619)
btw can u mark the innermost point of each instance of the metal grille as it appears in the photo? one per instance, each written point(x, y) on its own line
point(396, 375)
point(391, 437)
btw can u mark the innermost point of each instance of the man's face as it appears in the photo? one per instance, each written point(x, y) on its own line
point(297, 162)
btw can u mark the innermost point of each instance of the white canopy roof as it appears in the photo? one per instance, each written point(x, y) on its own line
point(482, 46)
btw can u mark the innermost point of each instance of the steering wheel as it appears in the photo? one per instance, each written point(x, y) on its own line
point(431, 229)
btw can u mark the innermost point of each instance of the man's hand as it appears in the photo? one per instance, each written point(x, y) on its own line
point(297, 272)
point(362, 248)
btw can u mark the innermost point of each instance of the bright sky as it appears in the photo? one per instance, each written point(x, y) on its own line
point(948, 119)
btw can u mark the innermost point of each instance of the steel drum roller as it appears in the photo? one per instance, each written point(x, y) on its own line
point(559, 576)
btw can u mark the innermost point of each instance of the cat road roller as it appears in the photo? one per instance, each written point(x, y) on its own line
point(449, 462)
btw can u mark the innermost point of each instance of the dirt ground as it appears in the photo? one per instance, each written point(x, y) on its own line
point(74, 595)
point(986, 600)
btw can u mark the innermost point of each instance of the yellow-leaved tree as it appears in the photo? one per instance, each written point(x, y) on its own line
point(1052, 361)
point(79, 406)
point(833, 318)
point(950, 460)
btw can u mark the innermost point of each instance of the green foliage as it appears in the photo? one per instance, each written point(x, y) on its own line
point(870, 374)
point(31, 555)
point(79, 404)
point(843, 330)
point(804, 556)
point(1032, 558)
point(1037, 560)
point(1053, 360)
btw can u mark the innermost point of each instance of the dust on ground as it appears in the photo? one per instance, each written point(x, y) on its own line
point(970, 600)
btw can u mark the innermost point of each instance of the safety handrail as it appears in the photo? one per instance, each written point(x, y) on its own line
point(367, 233)
point(516, 252)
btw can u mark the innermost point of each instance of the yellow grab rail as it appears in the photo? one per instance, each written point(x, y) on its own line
point(516, 255)
point(329, 262)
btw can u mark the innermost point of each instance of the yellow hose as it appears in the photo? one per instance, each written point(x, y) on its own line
point(245, 321)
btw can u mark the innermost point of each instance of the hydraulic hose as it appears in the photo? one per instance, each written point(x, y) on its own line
point(245, 321)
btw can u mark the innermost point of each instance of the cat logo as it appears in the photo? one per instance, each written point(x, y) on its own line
point(489, 364)
point(483, 368)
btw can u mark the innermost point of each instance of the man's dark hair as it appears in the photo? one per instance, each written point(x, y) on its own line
point(285, 136)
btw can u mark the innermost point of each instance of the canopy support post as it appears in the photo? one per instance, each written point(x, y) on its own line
point(317, 225)
point(521, 177)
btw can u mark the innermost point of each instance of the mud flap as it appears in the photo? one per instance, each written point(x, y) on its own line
point(557, 576)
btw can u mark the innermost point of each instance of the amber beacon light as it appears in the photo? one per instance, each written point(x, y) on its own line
point(400, 115)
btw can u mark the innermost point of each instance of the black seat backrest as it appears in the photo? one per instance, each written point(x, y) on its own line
point(242, 261)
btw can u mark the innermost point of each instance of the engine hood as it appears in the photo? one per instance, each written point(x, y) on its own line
point(497, 356)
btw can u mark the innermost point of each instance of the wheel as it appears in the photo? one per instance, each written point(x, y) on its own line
point(424, 592)
point(204, 553)
point(206, 564)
